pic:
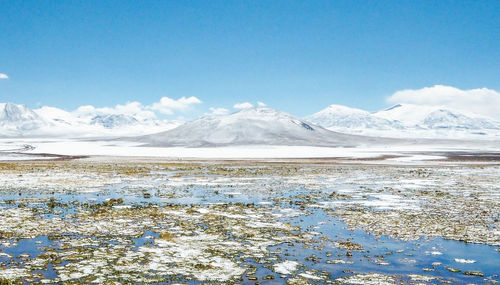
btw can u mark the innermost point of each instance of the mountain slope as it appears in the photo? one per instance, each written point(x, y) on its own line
point(337, 117)
point(114, 120)
point(20, 121)
point(17, 119)
point(408, 121)
point(448, 119)
point(435, 117)
point(255, 126)
point(58, 116)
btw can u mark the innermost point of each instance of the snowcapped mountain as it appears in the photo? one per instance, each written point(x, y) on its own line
point(435, 117)
point(57, 116)
point(21, 121)
point(406, 120)
point(14, 113)
point(17, 119)
point(406, 114)
point(351, 120)
point(111, 121)
point(334, 125)
point(447, 119)
point(254, 126)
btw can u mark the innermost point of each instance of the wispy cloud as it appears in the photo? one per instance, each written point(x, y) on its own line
point(261, 104)
point(482, 101)
point(244, 105)
point(3, 76)
point(168, 105)
point(218, 111)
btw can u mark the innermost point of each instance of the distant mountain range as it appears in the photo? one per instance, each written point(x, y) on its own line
point(406, 120)
point(20, 121)
point(350, 118)
point(334, 125)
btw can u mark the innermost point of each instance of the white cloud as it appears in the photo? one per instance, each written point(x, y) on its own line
point(3, 76)
point(138, 110)
point(135, 109)
point(261, 104)
point(87, 109)
point(482, 101)
point(168, 105)
point(244, 105)
point(218, 111)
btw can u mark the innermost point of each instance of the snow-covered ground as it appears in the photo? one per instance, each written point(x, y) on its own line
point(394, 154)
point(123, 148)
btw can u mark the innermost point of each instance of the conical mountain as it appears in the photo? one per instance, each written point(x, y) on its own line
point(254, 126)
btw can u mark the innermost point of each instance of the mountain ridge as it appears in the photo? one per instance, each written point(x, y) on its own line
point(18, 120)
point(403, 120)
point(253, 126)
point(343, 116)
point(397, 121)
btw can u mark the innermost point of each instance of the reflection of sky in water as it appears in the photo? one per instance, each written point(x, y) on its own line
point(415, 255)
point(402, 257)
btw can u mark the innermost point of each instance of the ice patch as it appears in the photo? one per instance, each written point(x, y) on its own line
point(286, 267)
point(461, 260)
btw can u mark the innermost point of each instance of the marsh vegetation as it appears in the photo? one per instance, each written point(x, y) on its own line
point(83, 222)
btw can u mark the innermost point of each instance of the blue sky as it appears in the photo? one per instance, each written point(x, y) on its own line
point(296, 56)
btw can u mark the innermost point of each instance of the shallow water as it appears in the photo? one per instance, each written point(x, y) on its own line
point(327, 248)
point(402, 257)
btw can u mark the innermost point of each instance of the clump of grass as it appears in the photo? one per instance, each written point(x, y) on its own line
point(166, 236)
point(113, 202)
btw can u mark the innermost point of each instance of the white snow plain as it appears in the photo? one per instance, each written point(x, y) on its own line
point(398, 154)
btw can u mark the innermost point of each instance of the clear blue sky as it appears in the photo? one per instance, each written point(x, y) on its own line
point(296, 56)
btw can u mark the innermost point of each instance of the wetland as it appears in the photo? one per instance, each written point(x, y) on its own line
point(248, 222)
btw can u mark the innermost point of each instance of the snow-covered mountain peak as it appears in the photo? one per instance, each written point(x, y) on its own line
point(346, 119)
point(263, 126)
point(422, 115)
point(14, 113)
point(56, 115)
point(342, 110)
point(403, 120)
point(20, 121)
point(16, 120)
point(407, 114)
point(251, 126)
point(257, 116)
point(260, 113)
point(114, 120)
point(443, 118)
